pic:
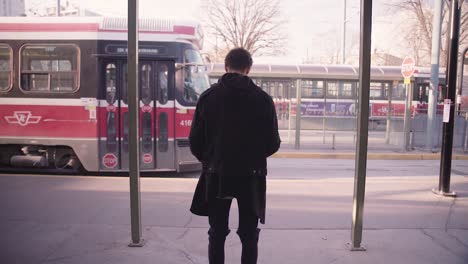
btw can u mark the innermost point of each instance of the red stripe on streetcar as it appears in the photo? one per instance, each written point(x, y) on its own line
point(184, 30)
point(46, 121)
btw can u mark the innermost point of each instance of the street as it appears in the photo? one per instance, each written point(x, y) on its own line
point(289, 168)
point(85, 219)
point(335, 168)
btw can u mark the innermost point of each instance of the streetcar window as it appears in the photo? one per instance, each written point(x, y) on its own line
point(163, 136)
point(124, 90)
point(145, 83)
point(340, 89)
point(346, 90)
point(195, 82)
point(376, 91)
point(163, 79)
point(213, 80)
point(111, 135)
point(193, 56)
point(257, 82)
point(399, 91)
point(265, 87)
point(386, 87)
point(272, 89)
point(292, 90)
point(280, 90)
point(332, 89)
point(5, 68)
point(111, 89)
point(147, 133)
point(49, 68)
point(312, 89)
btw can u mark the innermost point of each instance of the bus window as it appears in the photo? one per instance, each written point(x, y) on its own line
point(111, 90)
point(195, 82)
point(163, 95)
point(49, 68)
point(5, 68)
point(145, 83)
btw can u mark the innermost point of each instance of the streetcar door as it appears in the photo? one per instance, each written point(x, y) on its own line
point(147, 116)
point(164, 112)
point(421, 92)
point(146, 104)
point(156, 85)
point(109, 143)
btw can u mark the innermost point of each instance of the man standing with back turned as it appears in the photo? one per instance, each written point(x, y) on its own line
point(233, 132)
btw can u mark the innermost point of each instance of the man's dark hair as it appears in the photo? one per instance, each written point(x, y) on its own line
point(238, 59)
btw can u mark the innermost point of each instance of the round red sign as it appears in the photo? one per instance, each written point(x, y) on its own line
point(407, 67)
point(110, 108)
point(109, 160)
point(147, 158)
point(146, 108)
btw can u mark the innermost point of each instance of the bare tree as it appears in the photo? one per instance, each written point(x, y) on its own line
point(255, 25)
point(419, 31)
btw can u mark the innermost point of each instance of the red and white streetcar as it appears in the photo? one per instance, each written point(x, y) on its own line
point(63, 93)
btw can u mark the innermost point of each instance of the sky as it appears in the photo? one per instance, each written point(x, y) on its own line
point(313, 27)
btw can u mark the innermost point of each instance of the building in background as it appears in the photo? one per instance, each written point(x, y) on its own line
point(12, 8)
point(49, 8)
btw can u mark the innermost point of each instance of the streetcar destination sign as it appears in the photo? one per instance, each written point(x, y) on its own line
point(143, 49)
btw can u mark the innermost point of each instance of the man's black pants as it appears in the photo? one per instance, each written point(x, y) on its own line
point(219, 229)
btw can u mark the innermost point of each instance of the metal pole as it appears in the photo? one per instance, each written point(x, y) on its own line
point(447, 139)
point(433, 91)
point(461, 66)
point(324, 120)
point(363, 123)
point(343, 38)
point(389, 114)
point(465, 146)
point(134, 112)
point(333, 141)
point(58, 8)
point(460, 92)
point(407, 120)
point(289, 121)
point(297, 142)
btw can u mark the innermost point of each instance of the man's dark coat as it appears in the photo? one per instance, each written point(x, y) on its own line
point(233, 131)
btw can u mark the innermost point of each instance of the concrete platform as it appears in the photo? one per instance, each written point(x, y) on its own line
point(78, 220)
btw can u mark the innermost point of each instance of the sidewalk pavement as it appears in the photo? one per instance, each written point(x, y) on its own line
point(341, 145)
point(81, 220)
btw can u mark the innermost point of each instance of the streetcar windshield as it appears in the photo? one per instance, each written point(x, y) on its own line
point(195, 82)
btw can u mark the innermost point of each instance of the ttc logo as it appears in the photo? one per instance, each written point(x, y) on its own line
point(23, 118)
